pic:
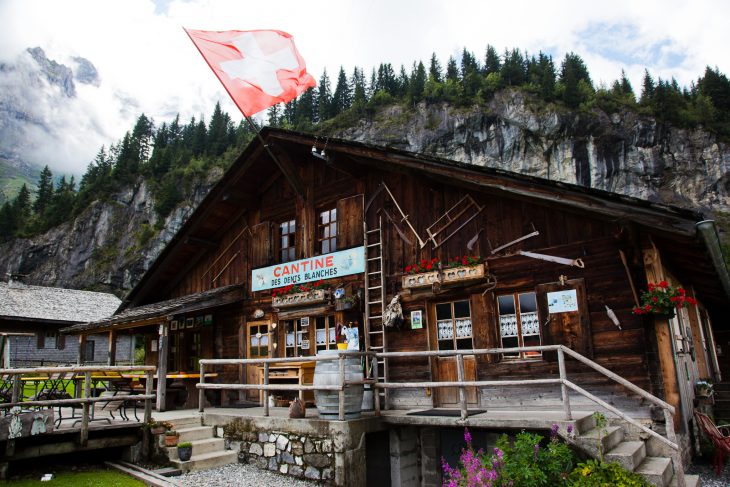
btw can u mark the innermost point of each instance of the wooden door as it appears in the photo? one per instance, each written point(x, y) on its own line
point(258, 345)
point(452, 330)
point(687, 372)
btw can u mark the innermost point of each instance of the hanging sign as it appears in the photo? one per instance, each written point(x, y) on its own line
point(336, 264)
point(562, 301)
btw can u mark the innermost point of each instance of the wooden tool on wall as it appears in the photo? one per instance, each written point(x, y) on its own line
point(464, 211)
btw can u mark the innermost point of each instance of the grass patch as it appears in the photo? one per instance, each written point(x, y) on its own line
point(89, 478)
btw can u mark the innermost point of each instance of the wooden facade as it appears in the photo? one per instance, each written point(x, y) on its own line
point(619, 245)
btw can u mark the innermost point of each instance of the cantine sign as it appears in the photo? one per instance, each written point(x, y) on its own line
point(336, 264)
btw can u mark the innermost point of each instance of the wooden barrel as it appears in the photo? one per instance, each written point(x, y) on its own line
point(327, 372)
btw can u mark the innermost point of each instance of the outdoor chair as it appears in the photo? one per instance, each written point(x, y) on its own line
point(718, 435)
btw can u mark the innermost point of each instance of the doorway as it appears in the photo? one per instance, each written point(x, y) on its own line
point(453, 331)
point(257, 346)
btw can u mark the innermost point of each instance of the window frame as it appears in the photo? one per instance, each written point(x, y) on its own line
point(300, 332)
point(521, 356)
point(291, 239)
point(330, 328)
point(327, 232)
point(454, 338)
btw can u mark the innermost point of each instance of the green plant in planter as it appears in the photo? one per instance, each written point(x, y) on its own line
point(158, 427)
point(184, 450)
point(171, 437)
point(594, 473)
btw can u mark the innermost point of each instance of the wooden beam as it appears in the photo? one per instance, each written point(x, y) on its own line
point(239, 199)
point(162, 367)
point(200, 242)
point(111, 360)
point(284, 162)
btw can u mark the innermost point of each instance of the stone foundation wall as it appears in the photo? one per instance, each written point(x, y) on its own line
point(300, 456)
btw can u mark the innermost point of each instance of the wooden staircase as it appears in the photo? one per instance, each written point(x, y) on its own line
point(628, 449)
point(208, 451)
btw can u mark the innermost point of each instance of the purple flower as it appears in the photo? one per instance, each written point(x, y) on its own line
point(536, 451)
point(467, 436)
point(554, 431)
point(499, 453)
point(570, 429)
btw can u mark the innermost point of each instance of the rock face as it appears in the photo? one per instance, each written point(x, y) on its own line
point(111, 244)
point(108, 247)
point(621, 152)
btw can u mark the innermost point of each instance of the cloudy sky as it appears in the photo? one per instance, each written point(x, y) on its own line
point(147, 63)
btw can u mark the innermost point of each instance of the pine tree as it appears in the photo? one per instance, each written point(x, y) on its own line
point(417, 82)
point(647, 89)
point(306, 110)
point(45, 191)
point(342, 98)
point(491, 62)
point(22, 208)
point(324, 98)
point(357, 81)
point(452, 71)
point(217, 140)
point(434, 69)
point(514, 69)
point(575, 79)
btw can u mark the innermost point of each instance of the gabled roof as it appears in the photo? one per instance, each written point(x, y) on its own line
point(241, 187)
point(156, 311)
point(48, 304)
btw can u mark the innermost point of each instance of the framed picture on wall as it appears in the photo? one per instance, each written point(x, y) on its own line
point(208, 320)
point(173, 325)
point(189, 322)
point(416, 320)
point(304, 322)
point(198, 321)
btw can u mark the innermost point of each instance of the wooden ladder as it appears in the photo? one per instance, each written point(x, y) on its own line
point(375, 336)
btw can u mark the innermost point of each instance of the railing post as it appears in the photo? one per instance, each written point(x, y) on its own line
point(676, 454)
point(149, 387)
point(563, 387)
point(85, 415)
point(266, 391)
point(341, 394)
point(376, 392)
point(201, 395)
point(462, 391)
point(17, 387)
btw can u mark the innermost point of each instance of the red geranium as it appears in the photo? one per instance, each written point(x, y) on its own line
point(662, 299)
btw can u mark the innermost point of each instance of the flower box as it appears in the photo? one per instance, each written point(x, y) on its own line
point(420, 280)
point(463, 273)
point(301, 299)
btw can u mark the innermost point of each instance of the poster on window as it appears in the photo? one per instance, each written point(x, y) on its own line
point(562, 301)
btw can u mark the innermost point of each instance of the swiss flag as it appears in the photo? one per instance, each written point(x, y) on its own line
point(258, 68)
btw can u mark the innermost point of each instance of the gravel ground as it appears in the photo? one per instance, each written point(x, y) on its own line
point(708, 477)
point(239, 474)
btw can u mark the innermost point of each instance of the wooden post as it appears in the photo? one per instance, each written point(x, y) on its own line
point(162, 368)
point(112, 359)
point(85, 408)
point(201, 395)
point(341, 395)
point(17, 387)
point(563, 387)
point(376, 392)
point(149, 388)
point(676, 456)
point(266, 392)
point(80, 360)
point(462, 391)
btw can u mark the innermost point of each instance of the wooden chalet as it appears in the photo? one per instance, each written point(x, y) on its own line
point(494, 260)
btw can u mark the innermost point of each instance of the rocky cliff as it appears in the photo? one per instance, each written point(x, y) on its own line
point(111, 244)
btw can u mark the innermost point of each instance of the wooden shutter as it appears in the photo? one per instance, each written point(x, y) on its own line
point(349, 221)
point(483, 319)
point(571, 329)
point(61, 341)
point(261, 245)
point(40, 340)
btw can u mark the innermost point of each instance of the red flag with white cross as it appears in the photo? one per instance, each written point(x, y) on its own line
point(258, 68)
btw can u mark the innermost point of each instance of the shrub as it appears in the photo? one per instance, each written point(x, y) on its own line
point(598, 474)
point(185, 444)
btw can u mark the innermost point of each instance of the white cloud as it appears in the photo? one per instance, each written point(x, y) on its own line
point(141, 51)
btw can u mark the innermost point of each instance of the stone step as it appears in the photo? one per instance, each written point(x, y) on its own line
point(199, 447)
point(189, 422)
point(656, 470)
point(628, 454)
point(610, 437)
point(195, 433)
point(584, 424)
point(206, 460)
point(689, 481)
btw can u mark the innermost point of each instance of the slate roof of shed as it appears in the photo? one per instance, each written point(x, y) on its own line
point(189, 303)
point(22, 301)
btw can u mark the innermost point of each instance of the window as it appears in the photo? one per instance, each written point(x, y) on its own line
point(453, 325)
point(89, 351)
point(287, 234)
point(519, 324)
point(325, 328)
point(51, 339)
point(258, 340)
point(327, 231)
point(294, 333)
